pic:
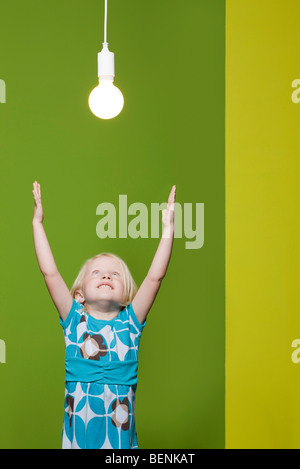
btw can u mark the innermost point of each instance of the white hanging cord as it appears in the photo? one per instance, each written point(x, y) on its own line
point(105, 20)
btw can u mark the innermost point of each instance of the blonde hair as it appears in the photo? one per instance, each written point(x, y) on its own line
point(130, 287)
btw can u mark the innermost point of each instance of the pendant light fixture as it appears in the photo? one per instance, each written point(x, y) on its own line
point(106, 100)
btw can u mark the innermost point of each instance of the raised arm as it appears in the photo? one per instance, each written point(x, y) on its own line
point(58, 290)
point(147, 292)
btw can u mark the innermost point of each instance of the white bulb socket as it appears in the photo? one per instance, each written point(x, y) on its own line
point(106, 63)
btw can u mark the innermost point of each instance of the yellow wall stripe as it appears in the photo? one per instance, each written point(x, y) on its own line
point(262, 223)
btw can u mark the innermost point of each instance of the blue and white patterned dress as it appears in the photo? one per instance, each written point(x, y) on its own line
point(101, 379)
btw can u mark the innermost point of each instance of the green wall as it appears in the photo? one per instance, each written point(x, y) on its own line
point(170, 59)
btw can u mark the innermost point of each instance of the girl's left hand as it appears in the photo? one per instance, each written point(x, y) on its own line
point(38, 209)
point(168, 213)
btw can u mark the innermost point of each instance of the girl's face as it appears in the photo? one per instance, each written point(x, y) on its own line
point(103, 283)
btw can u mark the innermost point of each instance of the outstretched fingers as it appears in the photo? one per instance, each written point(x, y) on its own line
point(36, 192)
point(171, 199)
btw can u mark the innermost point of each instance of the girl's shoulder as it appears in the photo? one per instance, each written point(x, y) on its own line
point(76, 311)
point(129, 314)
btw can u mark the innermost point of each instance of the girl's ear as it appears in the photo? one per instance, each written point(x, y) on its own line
point(79, 296)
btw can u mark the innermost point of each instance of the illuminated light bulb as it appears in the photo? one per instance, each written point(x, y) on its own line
point(106, 100)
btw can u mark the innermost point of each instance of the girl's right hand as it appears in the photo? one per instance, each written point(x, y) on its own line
point(38, 215)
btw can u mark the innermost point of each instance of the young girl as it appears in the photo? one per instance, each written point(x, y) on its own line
point(102, 317)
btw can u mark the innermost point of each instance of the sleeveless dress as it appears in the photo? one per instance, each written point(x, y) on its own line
point(101, 379)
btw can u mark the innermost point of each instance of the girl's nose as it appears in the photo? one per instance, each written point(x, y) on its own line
point(107, 275)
